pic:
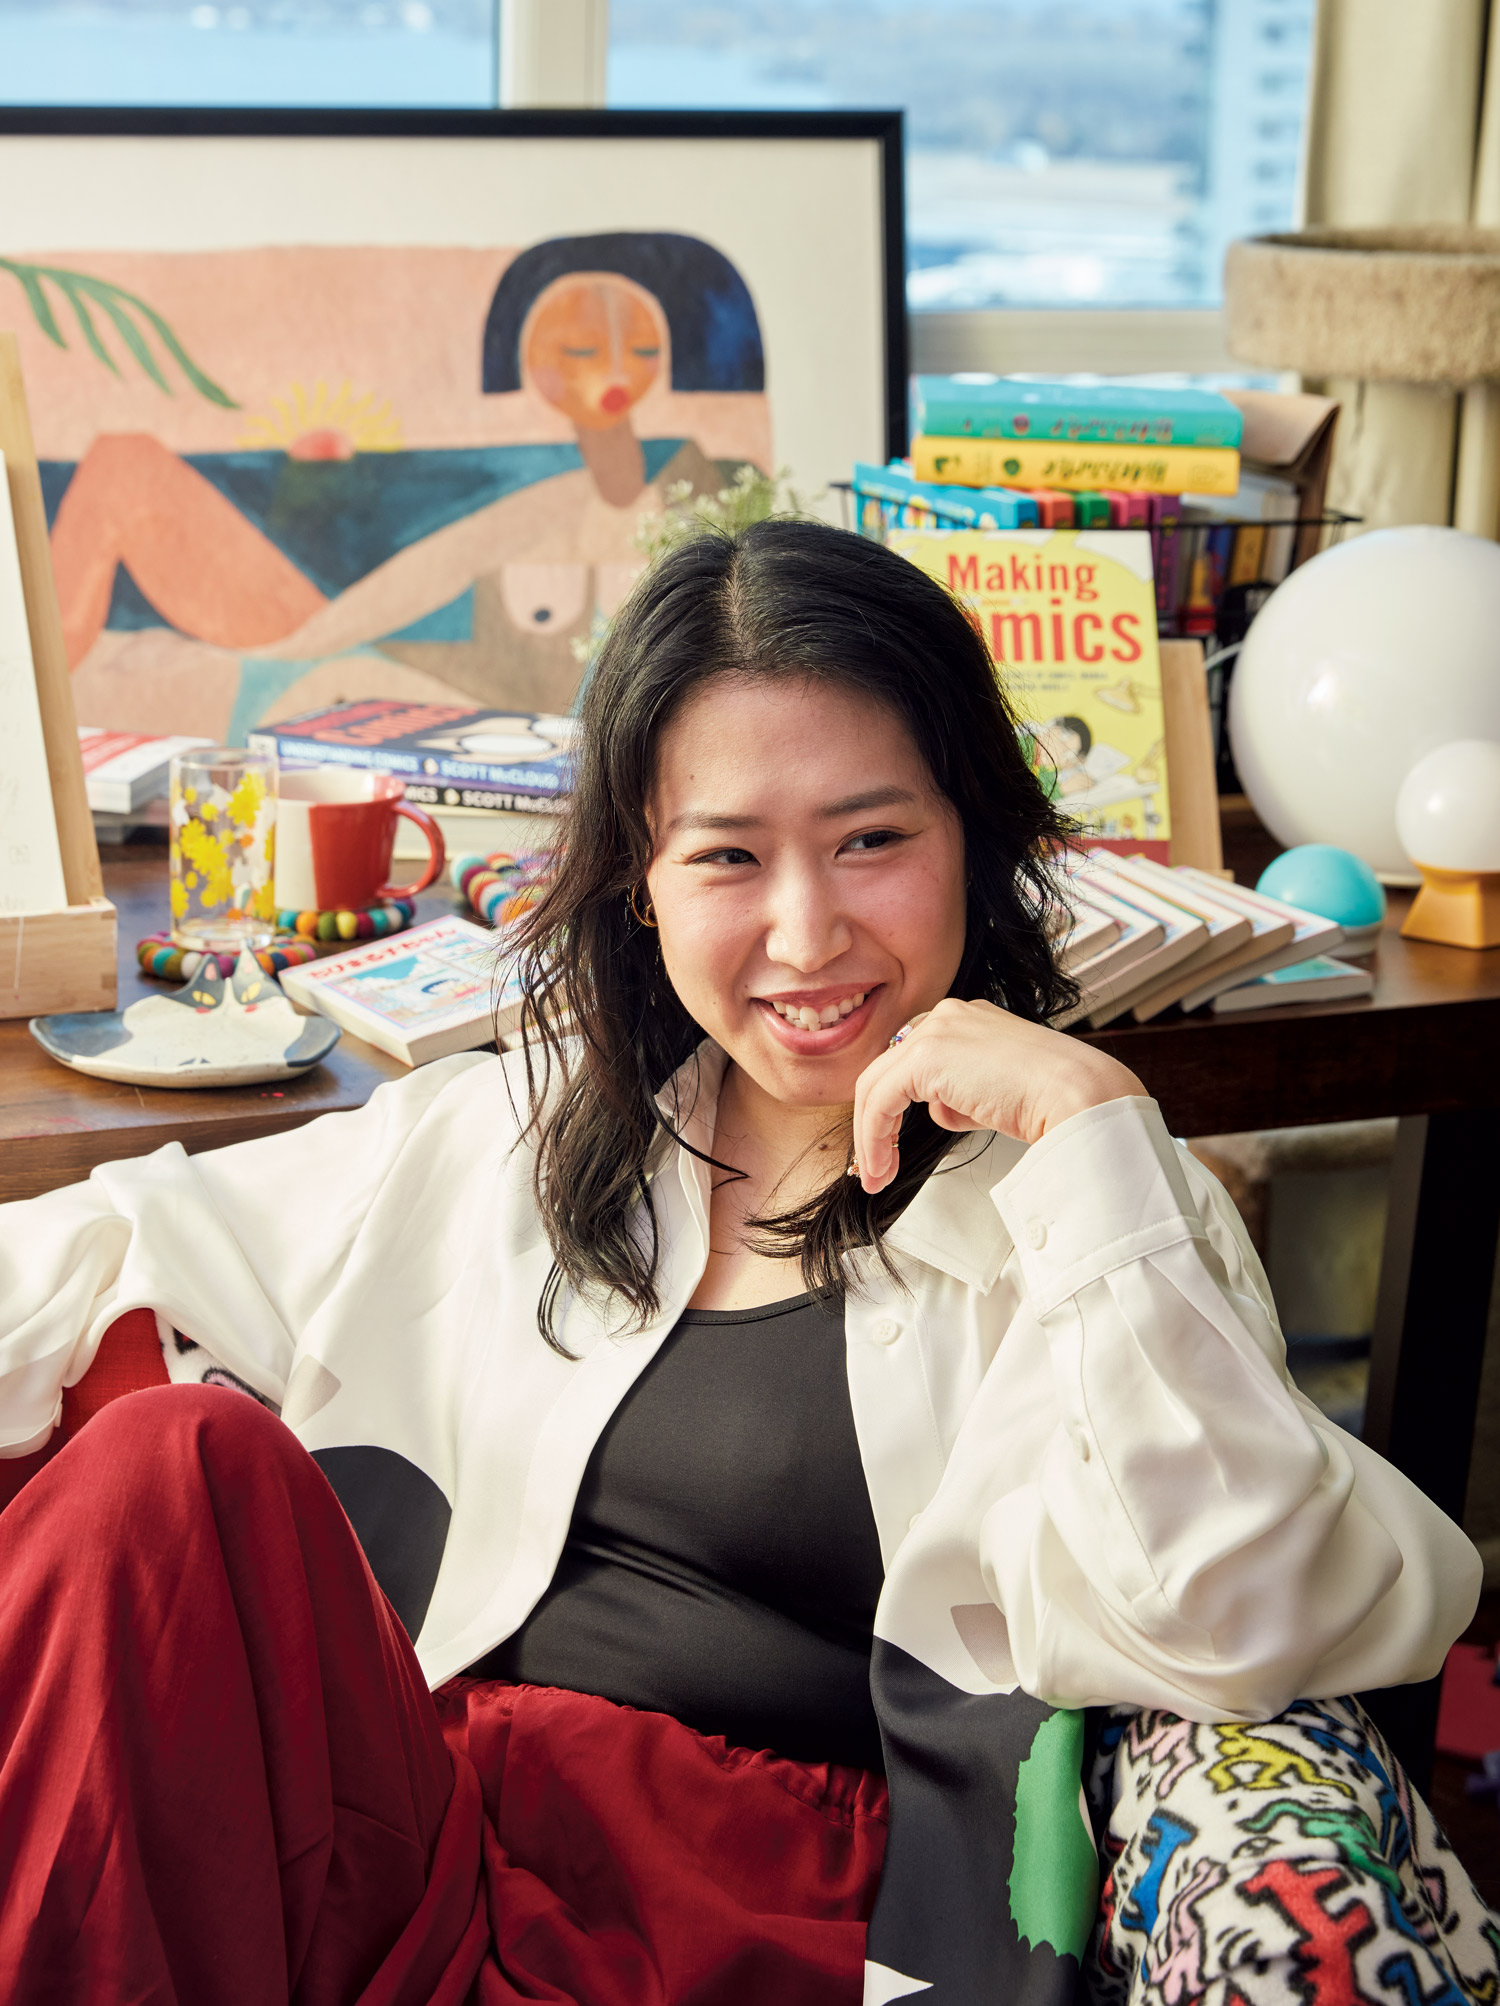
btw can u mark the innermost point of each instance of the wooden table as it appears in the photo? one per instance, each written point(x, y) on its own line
point(55, 1125)
point(1425, 1047)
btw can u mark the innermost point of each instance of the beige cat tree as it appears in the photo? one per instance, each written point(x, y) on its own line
point(1415, 304)
point(63, 959)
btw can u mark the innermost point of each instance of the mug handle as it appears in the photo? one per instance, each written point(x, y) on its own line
point(437, 854)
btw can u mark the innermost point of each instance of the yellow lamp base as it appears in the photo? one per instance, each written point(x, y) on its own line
point(1458, 908)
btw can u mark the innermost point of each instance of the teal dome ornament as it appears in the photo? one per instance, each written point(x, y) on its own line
point(1334, 883)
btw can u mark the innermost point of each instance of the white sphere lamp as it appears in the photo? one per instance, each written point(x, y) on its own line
point(1369, 656)
point(1448, 816)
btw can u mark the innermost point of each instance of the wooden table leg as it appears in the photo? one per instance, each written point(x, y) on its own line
point(1436, 1278)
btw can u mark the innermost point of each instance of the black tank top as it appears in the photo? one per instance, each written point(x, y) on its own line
point(722, 1563)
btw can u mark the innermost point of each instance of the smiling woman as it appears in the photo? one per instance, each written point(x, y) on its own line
point(797, 743)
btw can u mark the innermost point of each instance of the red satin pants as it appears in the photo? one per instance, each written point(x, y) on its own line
point(224, 1782)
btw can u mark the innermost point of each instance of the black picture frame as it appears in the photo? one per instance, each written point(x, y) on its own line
point(884, 128)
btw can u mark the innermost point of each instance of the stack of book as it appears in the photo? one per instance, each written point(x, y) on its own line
point(1143, 937)
point(126, 775)
point(492, 780)
point(1052, 436)
point(1007, 453)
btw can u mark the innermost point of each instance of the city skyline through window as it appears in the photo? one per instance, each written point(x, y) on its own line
point(1059, 152)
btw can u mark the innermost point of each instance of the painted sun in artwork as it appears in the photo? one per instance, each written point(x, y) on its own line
point(324, 424)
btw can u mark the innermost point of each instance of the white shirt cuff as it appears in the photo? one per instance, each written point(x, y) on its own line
point(1103, 1188)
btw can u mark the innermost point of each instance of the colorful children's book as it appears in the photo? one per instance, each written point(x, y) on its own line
point(1088, 930)
point(1229, 927)
point(1044, 463)
point(518, 761)
point(1054, 509)
point(1109, 971)
point(1321, 980)
point(1070, 617)
point(1181, 927)
point(1184, 936)
point(1311, 936)
point(1005, 407)
point(907, 503)
point(1129, 511)
point(442, 987)
point(124, 769)
point(1252, 950)
point(1167, 550)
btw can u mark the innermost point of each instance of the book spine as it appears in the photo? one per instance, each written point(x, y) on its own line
point(1053, 510)
point(109, 797)
point(501, 800)
point(1035, 463)
point(1207, 578)
point(1249, 553)
point(1166, 515)
point(994, 411)
point(906, 503)
point(430, 777)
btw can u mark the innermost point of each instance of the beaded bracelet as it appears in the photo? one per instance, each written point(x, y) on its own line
point(500, 887)
point(161, 956)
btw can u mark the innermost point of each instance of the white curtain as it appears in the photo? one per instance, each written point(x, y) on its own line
point(1404, 127)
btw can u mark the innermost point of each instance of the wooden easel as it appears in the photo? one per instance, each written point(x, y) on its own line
point(61, 960)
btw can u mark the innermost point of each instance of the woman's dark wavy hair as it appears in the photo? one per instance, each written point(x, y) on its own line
point(787, 601)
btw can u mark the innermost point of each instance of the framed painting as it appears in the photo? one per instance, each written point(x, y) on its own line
point(349, 405)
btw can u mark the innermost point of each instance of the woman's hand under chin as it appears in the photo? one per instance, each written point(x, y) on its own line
point(976, 1066)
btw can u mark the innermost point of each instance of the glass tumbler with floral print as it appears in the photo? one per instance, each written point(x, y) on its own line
point(223, 848)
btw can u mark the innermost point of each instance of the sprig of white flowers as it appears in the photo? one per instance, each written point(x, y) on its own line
point(750, 497)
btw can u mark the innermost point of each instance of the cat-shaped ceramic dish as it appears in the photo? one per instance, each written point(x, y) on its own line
point(212, 1032)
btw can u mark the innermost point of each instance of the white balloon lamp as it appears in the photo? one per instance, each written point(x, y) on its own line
point(1448, 815)
point(1369, 656)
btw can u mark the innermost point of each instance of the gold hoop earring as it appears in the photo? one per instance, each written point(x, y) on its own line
point(646, 918)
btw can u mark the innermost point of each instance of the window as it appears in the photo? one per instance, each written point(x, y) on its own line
point(248, 52)
point(1061, 153)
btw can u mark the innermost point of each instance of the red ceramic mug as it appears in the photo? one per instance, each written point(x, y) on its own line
point(335, 830)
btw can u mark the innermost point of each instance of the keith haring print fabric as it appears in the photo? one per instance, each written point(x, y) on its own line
point(1285, 1864)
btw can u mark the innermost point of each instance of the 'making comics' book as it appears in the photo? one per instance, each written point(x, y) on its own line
point(1070, 617)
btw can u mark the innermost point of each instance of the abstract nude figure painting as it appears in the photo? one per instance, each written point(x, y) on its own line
point(277, 478)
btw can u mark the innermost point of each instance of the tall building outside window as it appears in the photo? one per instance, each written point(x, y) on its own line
point(1060, 153)
point(1086, 153)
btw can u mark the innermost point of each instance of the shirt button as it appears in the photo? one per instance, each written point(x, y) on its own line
point(886, 1331)
point(1036, 1235)
point(1085, 1448)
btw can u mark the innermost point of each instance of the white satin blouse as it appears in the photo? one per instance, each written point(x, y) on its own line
point(1091, 1473)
